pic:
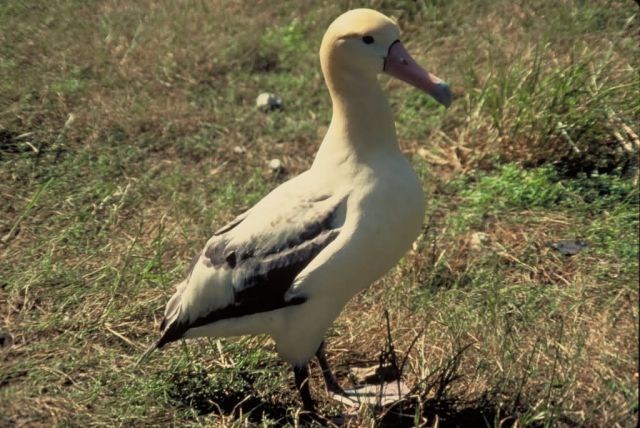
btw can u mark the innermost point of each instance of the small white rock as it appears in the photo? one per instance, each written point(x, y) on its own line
point(239, 150)
point(479, 240)
point(267, 101)
point(276, 165)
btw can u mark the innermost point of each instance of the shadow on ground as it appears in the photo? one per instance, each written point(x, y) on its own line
point(433, 401)
point(227, 394)
point(430, 404)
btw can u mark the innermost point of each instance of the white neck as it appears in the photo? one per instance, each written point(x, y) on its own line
point(362, 119)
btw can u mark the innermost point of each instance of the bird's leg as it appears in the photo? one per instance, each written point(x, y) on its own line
point(329, 379)
point(302, 384)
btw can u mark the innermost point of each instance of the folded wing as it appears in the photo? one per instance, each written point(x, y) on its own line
point(249, 264)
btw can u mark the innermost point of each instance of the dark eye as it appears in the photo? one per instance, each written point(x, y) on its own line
point(367, 39)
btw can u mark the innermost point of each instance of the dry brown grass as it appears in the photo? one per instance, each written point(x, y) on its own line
point(102, 215)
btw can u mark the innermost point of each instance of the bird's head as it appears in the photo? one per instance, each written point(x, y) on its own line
point(366, 42)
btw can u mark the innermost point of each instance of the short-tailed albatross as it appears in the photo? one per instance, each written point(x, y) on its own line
point(287, 266)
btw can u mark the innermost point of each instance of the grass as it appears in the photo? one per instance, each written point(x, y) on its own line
point(118, 123)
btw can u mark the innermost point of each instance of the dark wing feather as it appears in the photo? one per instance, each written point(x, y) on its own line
point(261, 270)
point(268, 279)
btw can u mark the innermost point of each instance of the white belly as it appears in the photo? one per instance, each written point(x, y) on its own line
point(384, 216)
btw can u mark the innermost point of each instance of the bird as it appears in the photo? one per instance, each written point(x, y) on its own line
point(288, 265)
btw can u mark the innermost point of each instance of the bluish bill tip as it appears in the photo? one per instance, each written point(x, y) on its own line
point(443, 95)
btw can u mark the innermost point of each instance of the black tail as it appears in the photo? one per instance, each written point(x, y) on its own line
point(171, 327)
point(172, 330)
point(148, 352)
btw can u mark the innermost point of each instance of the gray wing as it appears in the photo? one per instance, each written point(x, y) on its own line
point(249, 264)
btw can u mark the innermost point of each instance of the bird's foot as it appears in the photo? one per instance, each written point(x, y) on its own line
point(335, 388)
